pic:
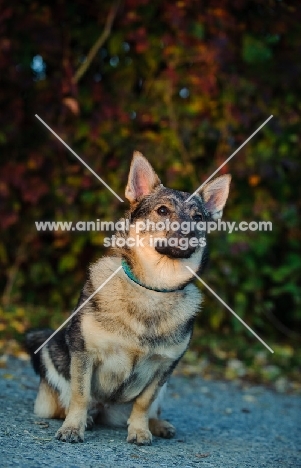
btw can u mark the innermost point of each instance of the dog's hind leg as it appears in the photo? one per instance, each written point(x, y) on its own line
point(47, 404)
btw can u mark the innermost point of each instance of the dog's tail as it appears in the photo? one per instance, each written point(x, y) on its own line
point(33, 340)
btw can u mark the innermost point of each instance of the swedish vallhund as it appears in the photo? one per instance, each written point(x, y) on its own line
point(113, 360)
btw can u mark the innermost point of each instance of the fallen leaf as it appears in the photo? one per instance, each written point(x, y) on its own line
point(72, 105)
point(43, 424)
point(254, 180)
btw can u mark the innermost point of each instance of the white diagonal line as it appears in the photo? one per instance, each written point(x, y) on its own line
point(233, 154)
point(79, 308)
point(229, 308)
point(80, 159)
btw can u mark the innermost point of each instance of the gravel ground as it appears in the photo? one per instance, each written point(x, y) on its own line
point(219, 425)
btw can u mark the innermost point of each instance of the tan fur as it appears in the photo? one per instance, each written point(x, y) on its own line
point(118, 296)
point(56, 380)
point(138, 429)
point(111, 337)
point(169, 273)
point(75, 422)
point(127, 339)
point(47, 404)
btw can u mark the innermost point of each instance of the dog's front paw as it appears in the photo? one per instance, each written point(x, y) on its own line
point(161, 428)
point(72, 435)
point(139, 436)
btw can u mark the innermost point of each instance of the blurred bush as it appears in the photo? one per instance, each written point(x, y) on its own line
point(185, 83)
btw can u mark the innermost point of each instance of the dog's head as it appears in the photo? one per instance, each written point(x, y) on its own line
point(170, 232)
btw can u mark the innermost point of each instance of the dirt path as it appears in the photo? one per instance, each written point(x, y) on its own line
point(219, 425)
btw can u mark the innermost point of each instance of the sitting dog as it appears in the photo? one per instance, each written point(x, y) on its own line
point(115, 356)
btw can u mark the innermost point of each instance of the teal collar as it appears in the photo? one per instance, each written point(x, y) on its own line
point(127, 270)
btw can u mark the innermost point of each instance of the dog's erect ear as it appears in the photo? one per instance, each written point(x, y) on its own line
point(142, 178)
point(215, 195)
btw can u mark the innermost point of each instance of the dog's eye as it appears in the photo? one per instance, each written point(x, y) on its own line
point(198, 217)
point(163, 210)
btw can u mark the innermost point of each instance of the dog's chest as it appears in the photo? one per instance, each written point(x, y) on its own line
point(133, 339)
point(125, 361)
point(122, 372)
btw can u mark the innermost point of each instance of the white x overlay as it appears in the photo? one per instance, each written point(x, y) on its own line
point(80, 159)
point(229, 308)
point(227, 160)
point(79, 308)
point(118, 269)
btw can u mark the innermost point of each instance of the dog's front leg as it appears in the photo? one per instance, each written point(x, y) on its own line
point(80, 373)
point(138, 429)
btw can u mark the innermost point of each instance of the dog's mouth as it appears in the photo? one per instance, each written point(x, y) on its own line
point(175, 246)
point(175, 252)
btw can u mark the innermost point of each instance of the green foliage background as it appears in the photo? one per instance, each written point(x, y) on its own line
point(185, 82)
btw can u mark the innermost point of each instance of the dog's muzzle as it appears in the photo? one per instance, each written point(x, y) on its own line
point(175, 245)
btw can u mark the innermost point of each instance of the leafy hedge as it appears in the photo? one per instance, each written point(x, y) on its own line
point(185, 83)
